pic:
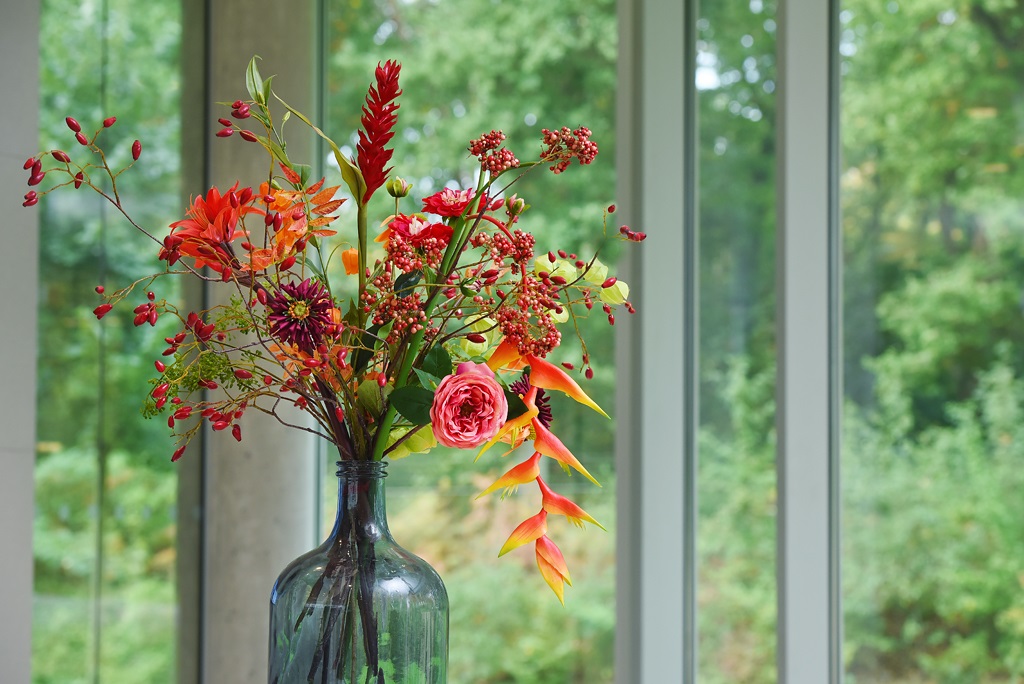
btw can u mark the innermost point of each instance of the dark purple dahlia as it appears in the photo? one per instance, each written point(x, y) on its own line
point(300, 314)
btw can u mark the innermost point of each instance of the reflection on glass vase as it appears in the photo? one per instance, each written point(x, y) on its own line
point(359, 609)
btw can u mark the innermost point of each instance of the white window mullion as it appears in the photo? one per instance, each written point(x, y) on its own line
point(19, 82)
point(657, 417)
point(807, 410)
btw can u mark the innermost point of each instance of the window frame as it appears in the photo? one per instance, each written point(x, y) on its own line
point(657, 500)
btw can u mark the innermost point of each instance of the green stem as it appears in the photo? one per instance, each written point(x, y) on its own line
point(361, 227)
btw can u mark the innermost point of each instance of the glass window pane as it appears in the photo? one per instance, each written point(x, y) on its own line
point(932, 123)
point(736, 520)
point(104, 529)
point(468, 68)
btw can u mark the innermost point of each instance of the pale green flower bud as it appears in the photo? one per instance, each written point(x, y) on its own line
point(398, 187)
point(485, 326)
point(597, 274)
point(616, 294)
point(420, 442)
point(560, 267)
point(559, 317)
point(515, 205)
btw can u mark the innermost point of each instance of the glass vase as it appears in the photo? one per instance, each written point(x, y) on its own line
point(359, 609)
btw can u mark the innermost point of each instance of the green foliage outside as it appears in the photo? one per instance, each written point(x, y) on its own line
point(93, 376)
point(931, 121)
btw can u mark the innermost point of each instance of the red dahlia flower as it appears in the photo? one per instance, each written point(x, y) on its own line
point(301, 314)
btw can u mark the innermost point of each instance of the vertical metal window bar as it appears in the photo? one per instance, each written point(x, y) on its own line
point(808, 405)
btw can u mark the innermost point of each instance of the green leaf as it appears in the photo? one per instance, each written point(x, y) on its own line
point(427, 380)
point(413, 403)
point(437, 362)
point(516, 407)
point(406, 282)
point(254, 82)
point(367, 344)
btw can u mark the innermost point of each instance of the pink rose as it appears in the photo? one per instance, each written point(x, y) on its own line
point(469, 407)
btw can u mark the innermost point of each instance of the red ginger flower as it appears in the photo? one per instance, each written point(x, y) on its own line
point(378, 120)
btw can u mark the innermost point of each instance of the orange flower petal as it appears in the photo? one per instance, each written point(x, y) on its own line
point(531, 529)
point(514, 424)
point(350, 258)
point(552, 567)
point(560, 505)
point(546, 443)
point(504, 356)
point(527, 471)
point(549, 376)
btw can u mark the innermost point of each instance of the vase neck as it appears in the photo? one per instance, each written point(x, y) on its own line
point(361, 505)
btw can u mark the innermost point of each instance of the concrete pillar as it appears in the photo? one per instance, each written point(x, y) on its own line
point(19, 82)
point(259, 494)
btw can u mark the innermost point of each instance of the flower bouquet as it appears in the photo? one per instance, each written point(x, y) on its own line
point(431, 329)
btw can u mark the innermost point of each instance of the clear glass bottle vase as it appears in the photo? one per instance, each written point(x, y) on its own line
point(359, 609)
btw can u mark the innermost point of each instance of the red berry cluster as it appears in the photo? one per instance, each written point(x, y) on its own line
point(564, 145)
point(492, 159)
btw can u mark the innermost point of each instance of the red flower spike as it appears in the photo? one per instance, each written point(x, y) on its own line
point(73, 125)
point(378, 122)
point(177, 453)
point(109, 121)
point(136, 150)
